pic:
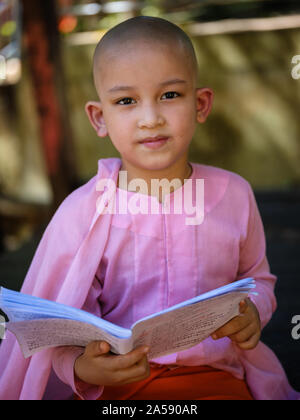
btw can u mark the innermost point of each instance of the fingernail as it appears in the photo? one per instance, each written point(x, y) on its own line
point(243, 306)
point(102, 346)
point(146, 349)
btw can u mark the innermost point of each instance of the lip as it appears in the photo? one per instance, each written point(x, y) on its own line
point(154, 142)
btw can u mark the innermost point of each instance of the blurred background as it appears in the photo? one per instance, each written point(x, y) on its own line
point(248, 53)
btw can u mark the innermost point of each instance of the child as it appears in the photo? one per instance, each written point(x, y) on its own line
point(126, 266)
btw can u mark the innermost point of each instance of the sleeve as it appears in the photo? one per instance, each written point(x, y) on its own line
point(64, 357)
point(253, 263)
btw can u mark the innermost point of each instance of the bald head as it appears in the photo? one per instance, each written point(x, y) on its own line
point(145, 30)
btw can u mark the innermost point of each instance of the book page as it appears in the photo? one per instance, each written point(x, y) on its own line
point(21, 307)
point(187, 326)
point(35, 335)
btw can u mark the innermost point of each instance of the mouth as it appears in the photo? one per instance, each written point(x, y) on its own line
point(154, 142)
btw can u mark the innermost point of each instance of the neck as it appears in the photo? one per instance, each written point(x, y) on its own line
point(180, 171)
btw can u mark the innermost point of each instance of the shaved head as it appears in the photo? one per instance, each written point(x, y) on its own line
point(144, 31)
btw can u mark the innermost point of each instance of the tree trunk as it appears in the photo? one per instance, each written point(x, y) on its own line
point(44, 56)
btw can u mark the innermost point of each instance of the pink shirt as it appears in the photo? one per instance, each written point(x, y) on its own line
point(152, 262)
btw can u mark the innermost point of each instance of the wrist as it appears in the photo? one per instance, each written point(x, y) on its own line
point(77, 369)
point(82, 386)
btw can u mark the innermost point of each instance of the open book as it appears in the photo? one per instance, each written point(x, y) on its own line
point(38, 323)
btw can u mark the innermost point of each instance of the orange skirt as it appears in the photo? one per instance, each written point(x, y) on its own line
point(182, 383)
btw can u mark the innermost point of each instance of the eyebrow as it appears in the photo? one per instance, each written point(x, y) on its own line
point(166, 83)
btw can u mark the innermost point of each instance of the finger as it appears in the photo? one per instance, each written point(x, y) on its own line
point(251, 343)
point(130, 359)
point(97, 348)
point(244, 335)
point(243, 306)
point(232, 327)
point(138, 372)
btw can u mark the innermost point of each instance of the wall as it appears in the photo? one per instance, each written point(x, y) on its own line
point(254, 127)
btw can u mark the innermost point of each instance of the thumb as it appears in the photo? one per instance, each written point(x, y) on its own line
point(243, 306)
point(97, 348)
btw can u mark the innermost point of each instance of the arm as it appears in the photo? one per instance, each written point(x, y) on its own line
point(88, 370)
point(253, 263)
point(63, 361)
point(255, 313)
point(64, 358)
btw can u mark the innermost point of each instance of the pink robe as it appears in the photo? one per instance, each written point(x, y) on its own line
point(149, 263)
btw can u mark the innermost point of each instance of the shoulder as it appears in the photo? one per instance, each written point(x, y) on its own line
point(79, 200)
point(78, 209)
point(216, 176)
point(224, 187)
point(73, 217)
point(83, 200)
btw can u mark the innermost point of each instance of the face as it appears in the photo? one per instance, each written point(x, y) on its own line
point(148, 94)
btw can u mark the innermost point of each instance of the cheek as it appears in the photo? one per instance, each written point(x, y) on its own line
point(118, 124)
point(183, 121)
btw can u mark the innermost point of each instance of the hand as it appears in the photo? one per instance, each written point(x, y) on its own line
point(97, 366)
point(244, 329)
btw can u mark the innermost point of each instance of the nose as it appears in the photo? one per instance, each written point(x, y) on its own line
point(150, 117)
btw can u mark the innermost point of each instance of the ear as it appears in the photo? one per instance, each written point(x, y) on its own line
point(205, 97)
point(95, 115)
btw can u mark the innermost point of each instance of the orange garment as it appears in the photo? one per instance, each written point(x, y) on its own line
point(182, 383)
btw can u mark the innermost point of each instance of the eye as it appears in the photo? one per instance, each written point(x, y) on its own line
point(125, 101)
point(170, 95)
